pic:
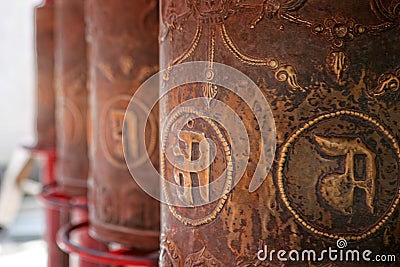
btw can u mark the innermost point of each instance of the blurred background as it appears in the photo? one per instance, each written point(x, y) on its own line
point(21, 241)
point(16, 74)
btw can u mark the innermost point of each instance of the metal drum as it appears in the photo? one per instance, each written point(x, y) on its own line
point(123, 45)
point(45, 99)
point(330, 71)
point(72, 97)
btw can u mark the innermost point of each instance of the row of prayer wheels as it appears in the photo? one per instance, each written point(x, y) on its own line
point(315, 89)
point(88, 70)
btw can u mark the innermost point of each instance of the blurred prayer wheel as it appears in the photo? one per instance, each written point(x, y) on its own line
point(45, 121)
point(330, 71)
point(72, 97)
point(45, 99)
point(122, 37)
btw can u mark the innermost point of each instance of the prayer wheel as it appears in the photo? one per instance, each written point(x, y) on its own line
point(45, 99)
point(72, 97)
point(45, 119)
point(330, 73)
point(122, 37)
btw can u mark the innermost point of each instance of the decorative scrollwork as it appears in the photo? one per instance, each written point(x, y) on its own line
point(192, 47)
point(272, 8)
point(210, 90)
point(387, 83)
point(288, 74)
point(202, 258)
point(170, 253)
point(386, 13)
point(336, 30)
point(283, 74)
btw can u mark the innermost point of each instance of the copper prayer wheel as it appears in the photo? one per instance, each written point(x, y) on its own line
point(45, 99)
point(122, 37)
point(72, 97)
point(330, 72)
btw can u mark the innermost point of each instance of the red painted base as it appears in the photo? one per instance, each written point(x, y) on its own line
point(57, 212)
point(91, 251)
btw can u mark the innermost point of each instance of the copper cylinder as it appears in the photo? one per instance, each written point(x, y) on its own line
point(122, 37)
point(72, 97)
point(331, 74)
point(45, 99)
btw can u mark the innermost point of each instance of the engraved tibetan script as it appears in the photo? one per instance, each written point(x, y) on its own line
point(196, 163)
point(337, 189)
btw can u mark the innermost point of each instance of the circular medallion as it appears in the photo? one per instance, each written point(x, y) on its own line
point(190, 143)
point(339, 175)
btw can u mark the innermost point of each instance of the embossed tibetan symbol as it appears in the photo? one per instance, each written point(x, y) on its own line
point(196, 156)
point(112, 119)
point(182, 176)
point(337, 189)
point(348, 186)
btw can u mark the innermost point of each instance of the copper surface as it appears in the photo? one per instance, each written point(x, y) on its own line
point(45, 99)
point(122, 37)
point(72, 97)
point(330, 72)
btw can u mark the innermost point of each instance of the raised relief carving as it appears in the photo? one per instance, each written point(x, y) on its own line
point(338, 63)
point(112, 119)
point(387, 83)
point(191, 167)
point(202, 258)
point(124, 67)
point(271, 8)
point(348, 186)
point(210, 90)
point(283, 74)
point(337, 30)
point(192, 47)
point(182, 176)
point(390, 13)
point(337, 189)
point(213, 13)
point(288, 74)
point(172, 21)
point(210, 11)
point(170, 254)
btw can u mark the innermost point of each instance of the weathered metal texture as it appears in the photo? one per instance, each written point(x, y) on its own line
point(122, 37)
point(72, 97)
point(330, 71)
point(45, 99)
